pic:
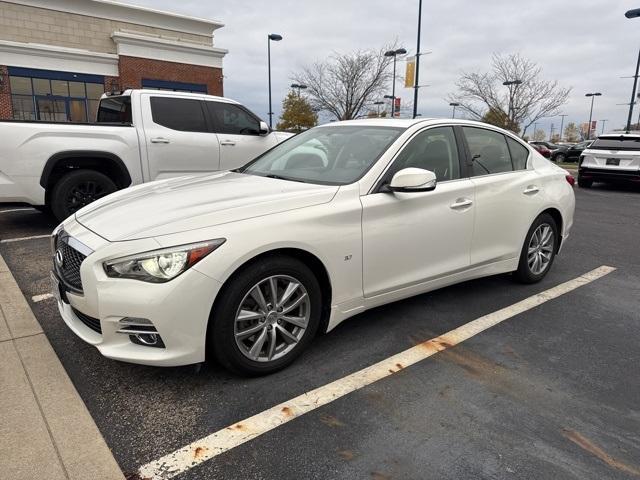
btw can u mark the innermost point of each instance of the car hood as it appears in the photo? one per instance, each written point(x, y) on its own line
point(188, 203)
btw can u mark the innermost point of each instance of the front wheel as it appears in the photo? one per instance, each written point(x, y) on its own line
point(266, 316)
point(77, 189)
point(539, 250)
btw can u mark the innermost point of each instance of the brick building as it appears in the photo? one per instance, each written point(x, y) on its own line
point(58, 56)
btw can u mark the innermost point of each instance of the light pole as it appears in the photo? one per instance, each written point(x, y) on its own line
point(562, 124)
point(533, 137)
point(454, 105)
point(633, 14)
point(551, 132)
point(415, 86)
point(392, 98)
point(275, 38)
point(377, 104)
point(592, 95)
point(298, 86)
point(510, 84)
point(604, 121)
point(394, 54)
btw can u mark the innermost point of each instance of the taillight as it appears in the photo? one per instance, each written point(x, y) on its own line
point(570, 180)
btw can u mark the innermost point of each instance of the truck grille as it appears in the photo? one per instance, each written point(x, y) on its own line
point(67, 261)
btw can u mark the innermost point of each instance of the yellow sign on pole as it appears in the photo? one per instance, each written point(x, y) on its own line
point(410, 73)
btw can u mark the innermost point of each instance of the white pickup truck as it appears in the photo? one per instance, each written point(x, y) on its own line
point(139, 136)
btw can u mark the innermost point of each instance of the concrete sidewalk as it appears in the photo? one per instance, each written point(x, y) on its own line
point(45, 429)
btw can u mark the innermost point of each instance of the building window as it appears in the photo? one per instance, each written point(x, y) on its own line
point(54, 96)
point(174, 86)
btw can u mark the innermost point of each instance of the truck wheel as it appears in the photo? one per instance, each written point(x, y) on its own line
point(584, 183)
point(77, 189)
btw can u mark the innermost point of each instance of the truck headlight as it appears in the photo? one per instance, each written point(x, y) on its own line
point(159, 266)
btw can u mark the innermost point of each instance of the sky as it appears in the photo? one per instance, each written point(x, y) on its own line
point(587, 45)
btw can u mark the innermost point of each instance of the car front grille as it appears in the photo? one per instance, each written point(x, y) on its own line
point(92, 323)
point(69, 270)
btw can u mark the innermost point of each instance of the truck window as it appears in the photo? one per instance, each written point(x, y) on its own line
point(616, 143)
point(115, 110)
point(183, 114)
point(232, 119)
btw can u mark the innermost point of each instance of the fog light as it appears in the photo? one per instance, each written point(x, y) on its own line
point(147, 340)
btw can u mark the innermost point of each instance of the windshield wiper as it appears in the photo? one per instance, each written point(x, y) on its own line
point(280, 177)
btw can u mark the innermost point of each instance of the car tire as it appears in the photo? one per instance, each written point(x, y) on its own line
point(227, 332)
point(77, 189)
point(529, 269)
point(584, 183)
point(560, 158)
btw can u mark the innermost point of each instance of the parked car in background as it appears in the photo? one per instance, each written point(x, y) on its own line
point(543, 150)
point(139, 136)
point(558, 152)
point(573, 152)
point(247, 265)
point(610, 158)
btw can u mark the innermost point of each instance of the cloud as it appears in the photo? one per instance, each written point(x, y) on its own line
point(586, 44)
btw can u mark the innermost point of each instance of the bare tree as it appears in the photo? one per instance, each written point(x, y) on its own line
point(527, 99)
point(344, 84)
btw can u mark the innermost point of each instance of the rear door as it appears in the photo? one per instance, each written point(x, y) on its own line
point(178, 136)
point(238, 132)
point(508, 194)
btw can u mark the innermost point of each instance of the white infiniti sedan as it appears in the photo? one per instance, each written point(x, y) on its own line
point(247, 266)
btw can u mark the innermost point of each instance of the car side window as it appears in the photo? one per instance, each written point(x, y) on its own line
point(434, 149)
point(489, 151)
point(183, 114)
point(519, 154)
point(231, 119)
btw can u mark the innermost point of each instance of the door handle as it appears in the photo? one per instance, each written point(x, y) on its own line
point(160, 140)
point(531, 190)
point(228, 143)
point(461, 203)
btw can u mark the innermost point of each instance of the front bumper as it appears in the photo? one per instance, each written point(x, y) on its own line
point(611, 175)
point(179, 310)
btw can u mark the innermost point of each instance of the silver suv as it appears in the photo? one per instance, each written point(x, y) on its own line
point(612, 157)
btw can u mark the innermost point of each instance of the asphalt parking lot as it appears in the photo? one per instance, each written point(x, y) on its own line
point(553, 392)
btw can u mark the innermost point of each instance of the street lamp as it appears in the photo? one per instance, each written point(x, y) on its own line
point(275, 38)
point(394, 54)
point(592, 95)
point(298, 86)
point(510, 84)
point(562, 124)
point(454, 105)
point(633, 14)
point(377, 104)
point(604, 121)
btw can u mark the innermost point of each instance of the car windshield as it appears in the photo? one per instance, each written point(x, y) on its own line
point(616, 143)
point(332, 155)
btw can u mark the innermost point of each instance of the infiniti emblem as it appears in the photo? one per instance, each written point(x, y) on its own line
point(59, 258)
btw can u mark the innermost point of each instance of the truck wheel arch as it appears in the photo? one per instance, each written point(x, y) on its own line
point(104, 162)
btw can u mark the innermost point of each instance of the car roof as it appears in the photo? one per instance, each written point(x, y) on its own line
point(408, 122)
point(620, 134)
point(170, 93)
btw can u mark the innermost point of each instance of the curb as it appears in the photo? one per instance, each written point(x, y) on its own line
point(46, 430)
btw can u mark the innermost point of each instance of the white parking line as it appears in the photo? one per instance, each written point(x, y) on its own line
point(234, 435)
point(40, 298)
point(18, 210)
point(20, 239)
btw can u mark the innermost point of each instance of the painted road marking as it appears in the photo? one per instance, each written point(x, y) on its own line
point(40, 298)
point(185, 458)
point(20, 239)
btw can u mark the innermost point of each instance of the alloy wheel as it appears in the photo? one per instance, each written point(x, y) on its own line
point(540, 250)
point(83, 194)
point(272, 318)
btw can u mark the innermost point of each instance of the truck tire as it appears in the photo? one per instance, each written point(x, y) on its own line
point(77, 189)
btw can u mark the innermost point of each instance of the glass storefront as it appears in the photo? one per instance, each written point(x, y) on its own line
point(54, 96)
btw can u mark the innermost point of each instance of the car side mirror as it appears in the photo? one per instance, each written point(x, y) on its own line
point(413, 180)
point(264, 128)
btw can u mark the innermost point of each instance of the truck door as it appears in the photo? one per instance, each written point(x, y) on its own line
point(178, 137)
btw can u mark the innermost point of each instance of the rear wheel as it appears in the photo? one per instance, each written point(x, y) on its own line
point(78, 189)
point(539, 250)
point(584, 183)
point(560, 158)
point(266, 316)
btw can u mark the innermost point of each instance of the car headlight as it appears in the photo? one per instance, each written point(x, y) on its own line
point(160, 266)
